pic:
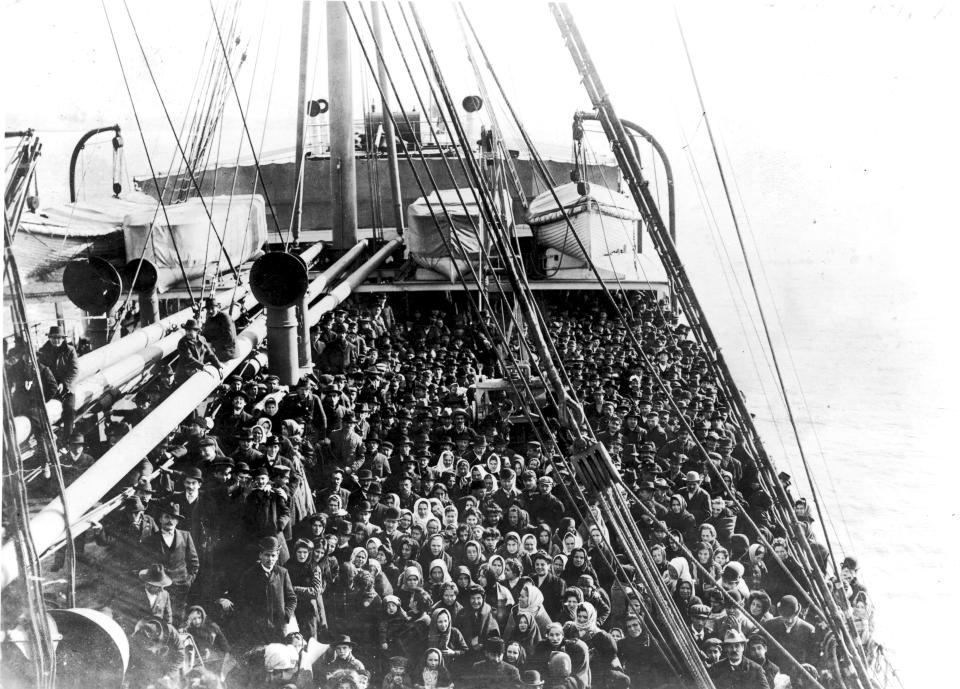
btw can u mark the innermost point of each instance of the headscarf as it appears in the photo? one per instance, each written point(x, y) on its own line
point(577, 542)
point(563, 561)
point(362, 552)
point(588, 628)
point(456, 516)
point(435, 637)
point(443, 566)
point(525, 544)
point(503, 567)
point(419, 520)
point(528, 639)
point(682, 567)
point(752, 552)
point(534, 601)
point(411, 570)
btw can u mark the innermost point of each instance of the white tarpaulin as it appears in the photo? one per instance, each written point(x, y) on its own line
point(240, 221)
point(427, 231)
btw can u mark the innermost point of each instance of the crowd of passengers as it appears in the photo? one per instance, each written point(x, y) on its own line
point(373, 525)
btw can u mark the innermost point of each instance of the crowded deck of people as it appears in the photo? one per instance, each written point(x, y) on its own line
point(382, 523)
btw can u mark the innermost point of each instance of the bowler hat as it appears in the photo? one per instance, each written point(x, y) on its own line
point(194, 473)
point(268, 544)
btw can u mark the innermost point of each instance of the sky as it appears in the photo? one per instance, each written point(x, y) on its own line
point(836, 123)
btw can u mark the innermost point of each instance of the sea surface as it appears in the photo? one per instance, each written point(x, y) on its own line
point(860, 305)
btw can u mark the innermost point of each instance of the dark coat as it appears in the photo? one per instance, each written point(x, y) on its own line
point(221, 333)
point(552, 588)
point(192, 355)
point(62, 362)
point(798, 642)
point(263, 603)
point(746, 675)
point(179, 558)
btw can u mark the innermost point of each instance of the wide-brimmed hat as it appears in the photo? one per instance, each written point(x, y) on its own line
point(155, 576)
point(342, 640)
point(171, 508)
point(734, 636)
point(55, 331)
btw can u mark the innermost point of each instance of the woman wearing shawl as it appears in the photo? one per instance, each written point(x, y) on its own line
point(510, 548)
point(434, 549)
point(308, 585)
point(550, 643)
point(451, 516)
point(410, 580)
point(495, 593)
point(558, 564)
point(579, 653)
point(513, 654)
point(569, 542)
point(476, 623)
point(759, 604)
point(523, 629)
point(463, 580)
point(605, 667)
point(414, 639)
point(528, 545)
point(473, 557)
point(643, 663)
point(444, 637)
point(679, 519)
point(391, 626)
point(358, 558)
point(437, 576)
point(381, 583)
point(704, 559)
point(431, 672)
point(449, 599)
point(545, 540)
point(517, 519)
point(432, 527)
point(572, 598)
point(365, 609)
point(336, 599)
point(530, 601)
point(408, 552)
point(421, 512)
point(577, 565)
point(493, 464)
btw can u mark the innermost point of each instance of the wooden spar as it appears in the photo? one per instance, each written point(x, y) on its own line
point(343, 172)
point(318, 286)
point(301, 111)
point(47, 527)
point(343, 290)
point(388, 132)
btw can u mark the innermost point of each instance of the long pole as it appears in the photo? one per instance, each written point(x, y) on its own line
point(301, 108)
point(343, 166)
point(47, 526)
point(389, 133)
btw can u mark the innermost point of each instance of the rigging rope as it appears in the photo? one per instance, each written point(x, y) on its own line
point(756, 294)
point(246, 130)
point(146, 150)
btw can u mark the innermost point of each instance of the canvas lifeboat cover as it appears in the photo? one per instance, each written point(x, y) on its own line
point(543, 209)
point(240, 221)
point(428, 230)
